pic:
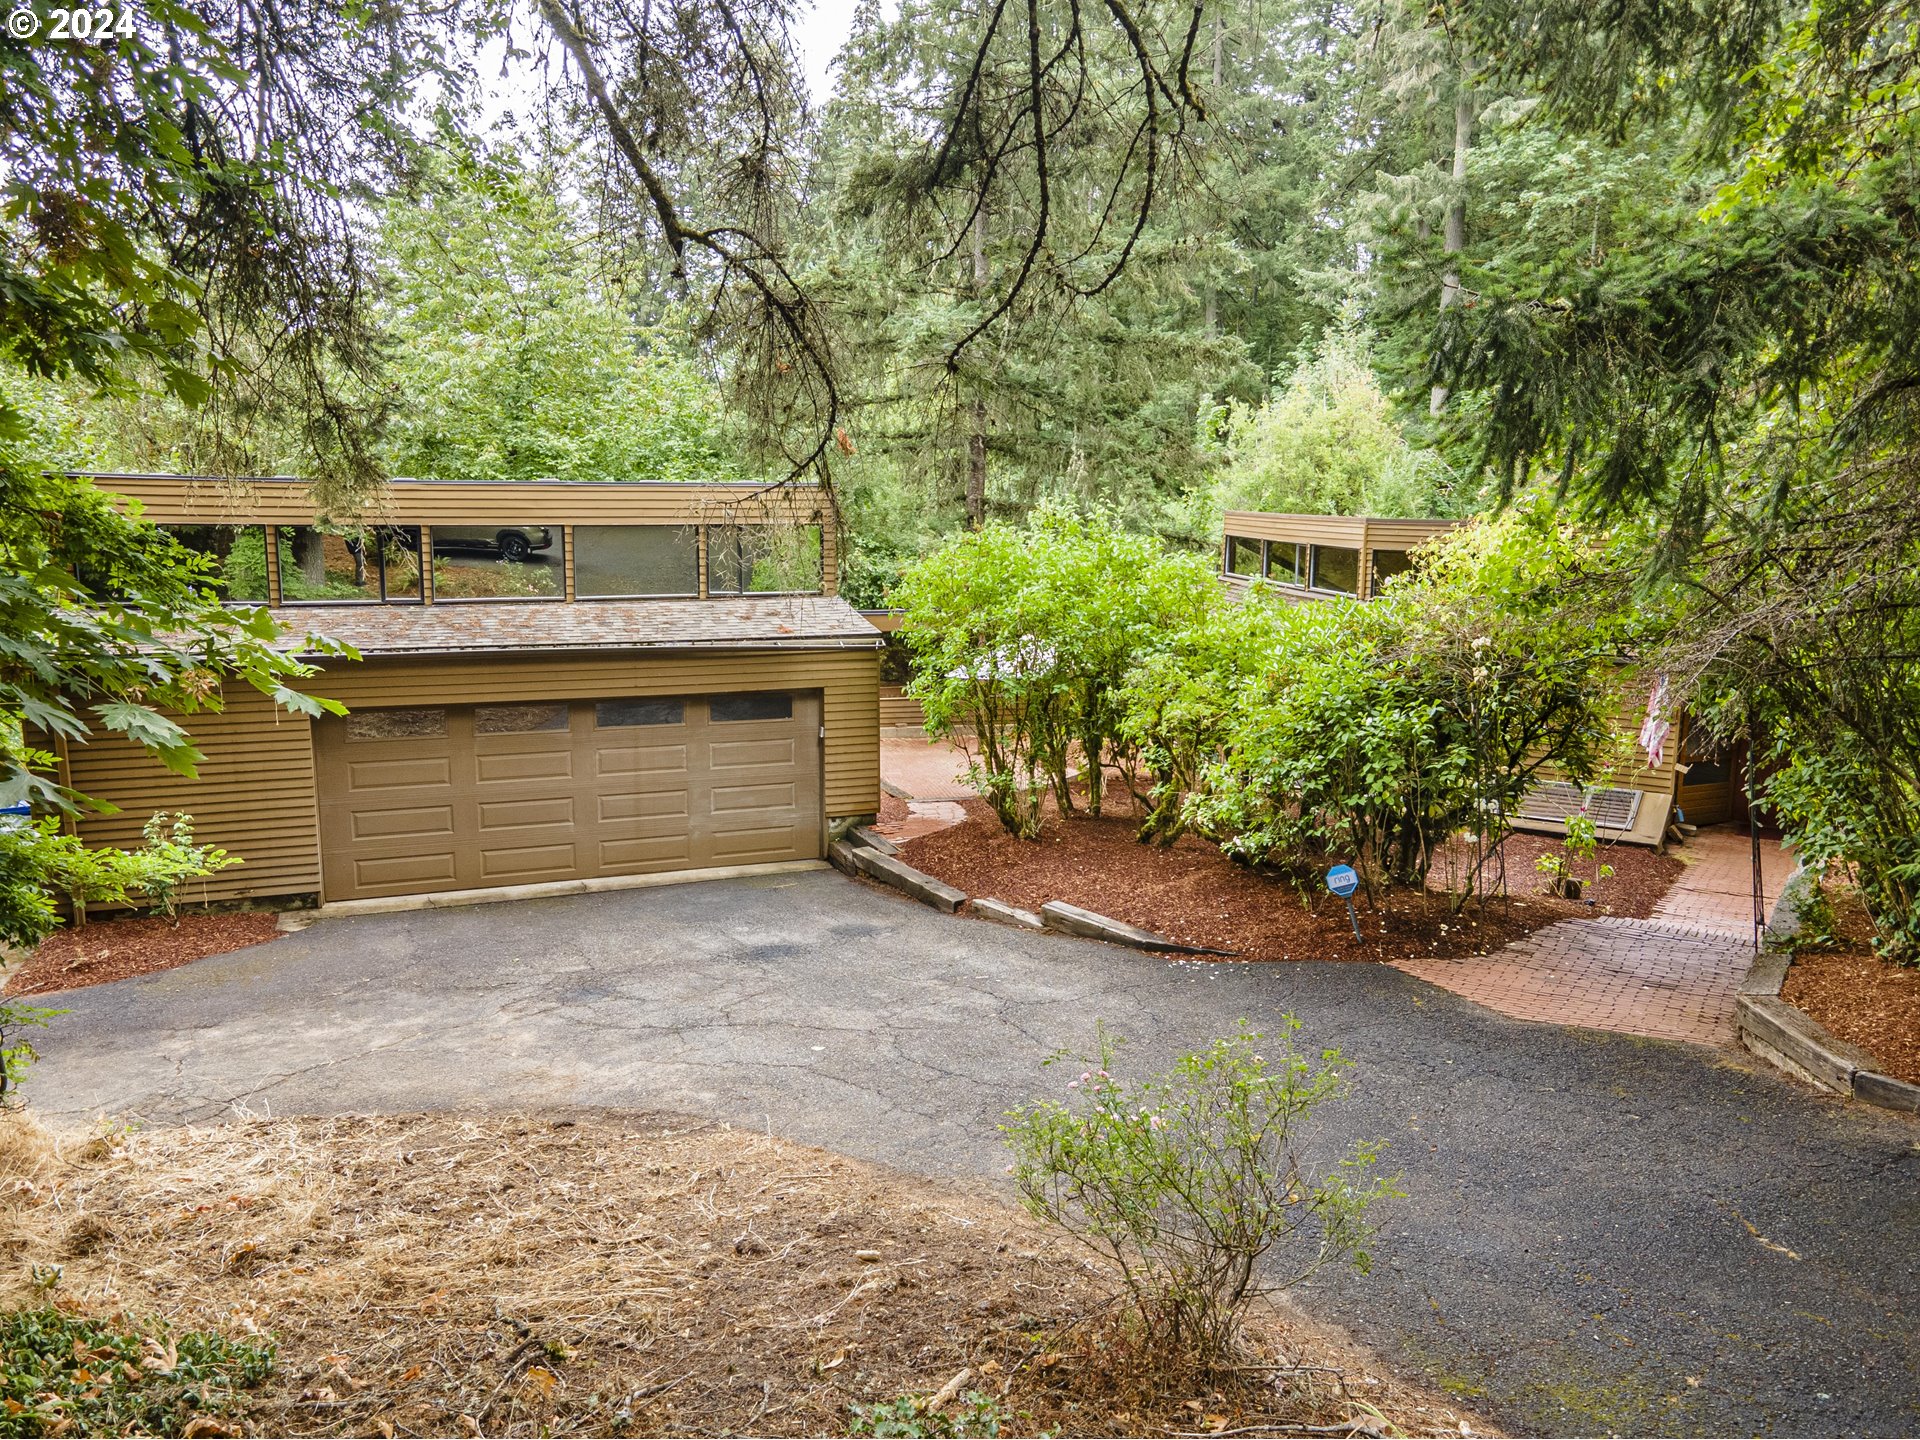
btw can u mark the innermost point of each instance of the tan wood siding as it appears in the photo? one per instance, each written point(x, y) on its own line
point(254, 796)
point(1348, 530)
point(900, 710)
point(1404, 534)
point(177, 499)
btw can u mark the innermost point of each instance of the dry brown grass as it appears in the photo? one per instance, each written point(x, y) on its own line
point(599, 1274)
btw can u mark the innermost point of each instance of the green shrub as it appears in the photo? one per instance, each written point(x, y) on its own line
point(105, 875)
point(170, 857)
point(17, 1055)
point(1579, 848)
point(1023, 637)
point(1192, 1182)
point(1375, 733)
point(61, 1374)
point(1840, 807)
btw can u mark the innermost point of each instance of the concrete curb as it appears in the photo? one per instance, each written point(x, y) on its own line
point(901, 876)
point(1789, 1038)
point(1072, 920)
point(1002, 913)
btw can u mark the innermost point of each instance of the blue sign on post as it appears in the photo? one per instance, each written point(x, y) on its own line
point(1342, 881)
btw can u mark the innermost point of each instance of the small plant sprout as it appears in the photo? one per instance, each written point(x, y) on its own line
point(1580, 847)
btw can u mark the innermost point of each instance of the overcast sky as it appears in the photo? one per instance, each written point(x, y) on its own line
point(819, 32)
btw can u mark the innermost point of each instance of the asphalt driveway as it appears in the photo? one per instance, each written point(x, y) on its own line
point(1602, 1233)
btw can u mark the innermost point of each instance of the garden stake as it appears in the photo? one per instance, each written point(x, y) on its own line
point(1342, 881)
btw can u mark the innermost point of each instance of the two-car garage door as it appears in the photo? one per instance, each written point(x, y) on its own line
point(463, 797)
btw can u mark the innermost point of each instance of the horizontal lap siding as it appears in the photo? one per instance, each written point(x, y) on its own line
point(1404, 534)
point(172, 499)
point(1344, 530)
point(254, 796)
point(897, 708)
point(848, 680)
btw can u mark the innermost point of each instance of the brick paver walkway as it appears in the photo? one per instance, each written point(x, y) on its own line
point(1673, 977)
point(1642, 977)
point(1716, 890)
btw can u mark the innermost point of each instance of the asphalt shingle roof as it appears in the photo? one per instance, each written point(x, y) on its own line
point(748, 623)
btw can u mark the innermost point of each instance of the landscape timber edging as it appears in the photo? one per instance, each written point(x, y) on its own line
point(1002, 913)
point(900, 875)
point(1072, 920)
point(1787, 1037)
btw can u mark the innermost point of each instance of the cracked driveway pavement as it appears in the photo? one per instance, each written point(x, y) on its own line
point(1602, 1233)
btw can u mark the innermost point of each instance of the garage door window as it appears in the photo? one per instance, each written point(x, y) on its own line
point(612, 714)
point(397, 725)
point(518, 719)
point(761, 706)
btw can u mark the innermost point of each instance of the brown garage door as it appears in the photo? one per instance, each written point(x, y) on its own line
point(468, 796)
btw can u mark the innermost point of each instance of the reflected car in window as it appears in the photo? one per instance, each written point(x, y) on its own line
point(509, 542)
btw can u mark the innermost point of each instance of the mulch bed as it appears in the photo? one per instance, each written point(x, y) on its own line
point(1859, 997)
point(1193, 894)
point(118, 949)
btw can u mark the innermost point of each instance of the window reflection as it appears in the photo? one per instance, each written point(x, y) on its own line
point(238, 553)
point(763, 559)
point(499, 562)
point(364, 564)
point(636, 560)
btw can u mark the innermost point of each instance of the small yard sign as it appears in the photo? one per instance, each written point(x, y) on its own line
point(1342, 881)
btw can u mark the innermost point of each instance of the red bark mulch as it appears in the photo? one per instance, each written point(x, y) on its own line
point(1194, 895)
point(118, 949)
point(1859, 997)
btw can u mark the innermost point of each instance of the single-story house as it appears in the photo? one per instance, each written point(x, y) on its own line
point(1333, 557)
point(1319, 557)
point(560, 681)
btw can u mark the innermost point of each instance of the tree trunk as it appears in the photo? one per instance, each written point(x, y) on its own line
point(977, 436)
point(1212, 314)
point(310, 554)
point(1454, 239)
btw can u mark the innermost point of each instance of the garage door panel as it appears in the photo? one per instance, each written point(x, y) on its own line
point(753, 797)
point(641, 853)
point(366, 776)
point(742, 754)
point(663, 760)
point(500, 863)
point(747, 847)
point(404, 874)
point(420, 822)
point(481, 799)
point(659, 804)
point(518, 814)
point(543, 765)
